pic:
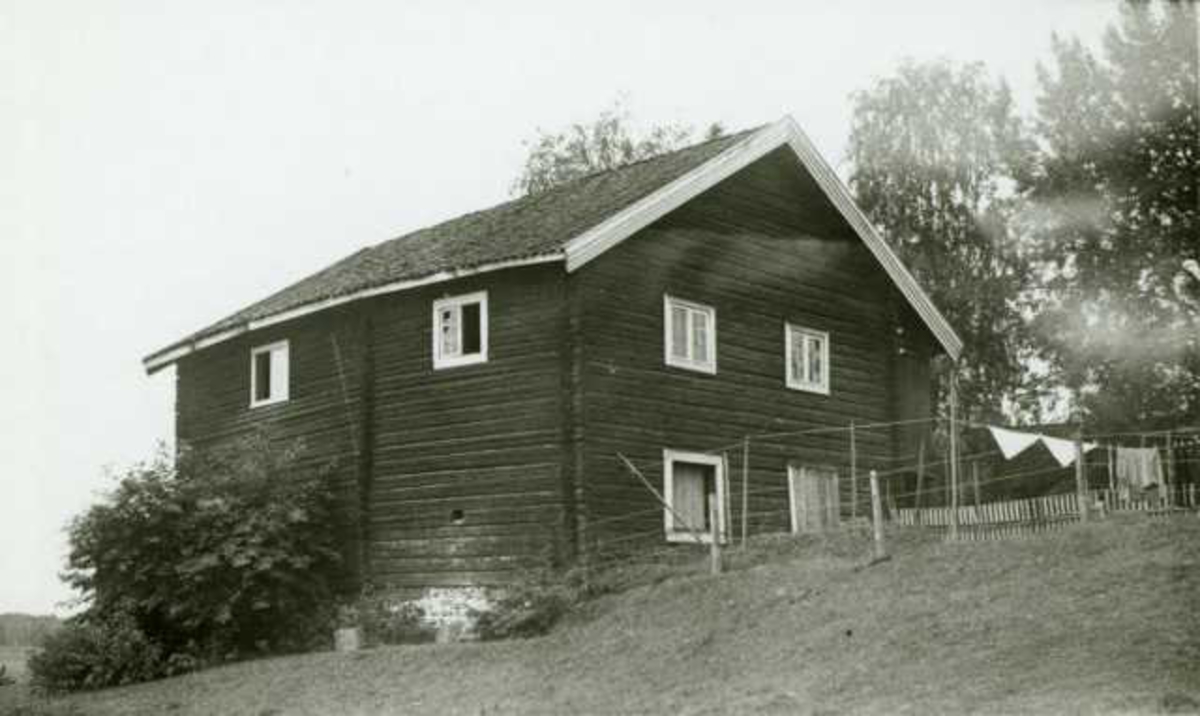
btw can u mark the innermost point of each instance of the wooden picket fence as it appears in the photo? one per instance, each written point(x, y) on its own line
point(1009, 519)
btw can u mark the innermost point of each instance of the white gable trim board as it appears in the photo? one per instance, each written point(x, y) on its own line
point(620, 226)
point(637, 216)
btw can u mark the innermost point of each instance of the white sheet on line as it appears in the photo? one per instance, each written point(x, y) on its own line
point(1011, 442)
point(1014, 442)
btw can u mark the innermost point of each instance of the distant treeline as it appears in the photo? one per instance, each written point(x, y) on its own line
point(25, 629)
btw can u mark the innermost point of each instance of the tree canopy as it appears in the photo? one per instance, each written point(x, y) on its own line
point(610, 141)
point(1115, 217)
point(1064, 250)
point(936, 150)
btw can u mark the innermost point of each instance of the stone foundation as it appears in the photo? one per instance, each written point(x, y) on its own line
point(449, 612)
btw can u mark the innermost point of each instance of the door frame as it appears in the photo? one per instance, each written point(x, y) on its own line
point(670, 457)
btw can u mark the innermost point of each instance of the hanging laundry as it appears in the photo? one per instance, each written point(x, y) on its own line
point(1064, 450)
point(1011, 442)
point(1139, 467)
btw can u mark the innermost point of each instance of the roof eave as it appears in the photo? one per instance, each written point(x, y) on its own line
point(595, 241)
point(171, 354)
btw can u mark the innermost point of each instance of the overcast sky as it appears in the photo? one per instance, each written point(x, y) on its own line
point(166, 163)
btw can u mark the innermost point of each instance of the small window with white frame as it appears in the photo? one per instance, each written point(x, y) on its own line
point(690, 335)
point(807, 359)
point(693, 485)
point(460, 330)
point(269, 374)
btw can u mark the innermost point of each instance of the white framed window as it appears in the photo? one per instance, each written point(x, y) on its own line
point(460, 330)
point(692, 483)
point(269, 374)
point(807, 363)
point(690, 335)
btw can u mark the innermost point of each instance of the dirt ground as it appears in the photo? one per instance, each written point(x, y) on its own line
point(1101, 618)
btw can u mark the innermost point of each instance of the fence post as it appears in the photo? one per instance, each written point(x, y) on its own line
point(953, 455)
point(975, 479)
point(714, 514)
point(746, 489)
point(1112, 475)
point(877, 517)
point(853, 475)
point(1081, 485)
point(920, 479)
point(726, 505)
point(1170, 470)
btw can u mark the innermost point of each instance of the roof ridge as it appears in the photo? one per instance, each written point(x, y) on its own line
point(522, 231)
point(652, 157)
point(570, 183)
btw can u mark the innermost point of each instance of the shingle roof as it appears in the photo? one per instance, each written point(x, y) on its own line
point(534, 225)
point(573, 223)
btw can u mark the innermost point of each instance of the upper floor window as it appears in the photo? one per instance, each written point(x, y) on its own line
point(460, 330)
point(269, 374)
point(690, 335)
point(807, 359)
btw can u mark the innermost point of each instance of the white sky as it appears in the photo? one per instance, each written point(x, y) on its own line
point(166, 163)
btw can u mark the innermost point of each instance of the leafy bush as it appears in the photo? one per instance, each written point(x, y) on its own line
point(384, 622)
point(91, 653)
point(210, 555)
point(532, 605)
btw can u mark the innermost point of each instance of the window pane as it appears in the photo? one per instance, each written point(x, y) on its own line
point(262, 375)
point(279, 373)
point(797, 366)
point(679, 343)
point(699, 336)
point(816, 363)
point(449, 332)
point(472, 337)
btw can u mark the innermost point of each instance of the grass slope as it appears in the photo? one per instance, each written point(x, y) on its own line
point(12, 660)
point(1098, 618)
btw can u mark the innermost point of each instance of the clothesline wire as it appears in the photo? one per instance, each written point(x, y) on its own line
point(937, 490)
point(752, 437)
point(869, 459)
point(1187, 432)
point(775, 490)
point(1156, 432)
point(848, 427)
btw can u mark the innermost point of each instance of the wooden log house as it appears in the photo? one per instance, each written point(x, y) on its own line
point(476, 380)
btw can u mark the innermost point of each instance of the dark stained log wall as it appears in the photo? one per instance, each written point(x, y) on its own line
point(486, 439)
point(324, 409)
point(524, 446)
point(762, 248)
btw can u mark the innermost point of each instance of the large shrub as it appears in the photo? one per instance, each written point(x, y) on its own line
point(384, 621)
point(91, 652)
point(534, 602)
point(211, 555)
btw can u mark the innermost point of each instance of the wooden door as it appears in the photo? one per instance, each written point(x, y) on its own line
point(814, 498)
point(693, 487)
